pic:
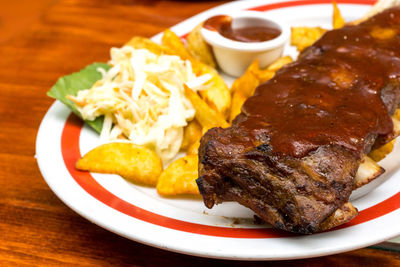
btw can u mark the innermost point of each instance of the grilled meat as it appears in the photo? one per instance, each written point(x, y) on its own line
point(292, 154)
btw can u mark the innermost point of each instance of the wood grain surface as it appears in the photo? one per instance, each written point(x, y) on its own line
point(36, 228)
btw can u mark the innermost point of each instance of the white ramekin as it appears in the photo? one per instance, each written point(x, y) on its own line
point(233, 57)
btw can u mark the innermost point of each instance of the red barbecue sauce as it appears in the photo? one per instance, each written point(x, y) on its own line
point(223, 24)
point(333, 94)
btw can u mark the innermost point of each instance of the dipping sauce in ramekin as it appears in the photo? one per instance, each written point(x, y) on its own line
point(247, 34)
point(238, 39)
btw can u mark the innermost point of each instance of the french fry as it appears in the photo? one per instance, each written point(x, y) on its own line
point(243, 88)
point(217, 94)
point(198, 47)
point(247, 83)
point(266, 74)
point(337, 18)
point(397, 114)
point(193, 149)
point(279, 63)
point(179, 177)
point(396, 122)
point(342, 215)
point(135, 163)
point(192, 133)
point(237, 102)
point(380, 153)
point(145, 43)
point(175, 45)
point(205, 115)
point(303, 37)
point(367, 171)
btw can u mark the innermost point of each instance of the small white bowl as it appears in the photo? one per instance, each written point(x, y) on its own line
point(233, 57)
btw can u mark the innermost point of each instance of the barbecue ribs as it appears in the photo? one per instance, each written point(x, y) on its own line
point(292, 154)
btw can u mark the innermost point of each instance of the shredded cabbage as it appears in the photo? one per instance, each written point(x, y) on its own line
point(142, 99)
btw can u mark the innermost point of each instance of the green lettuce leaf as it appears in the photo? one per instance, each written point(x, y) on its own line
point(71, 84)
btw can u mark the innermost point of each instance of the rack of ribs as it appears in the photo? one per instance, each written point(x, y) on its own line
point(293, 153)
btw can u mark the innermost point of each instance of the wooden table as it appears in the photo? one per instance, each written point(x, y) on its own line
point(51, 39)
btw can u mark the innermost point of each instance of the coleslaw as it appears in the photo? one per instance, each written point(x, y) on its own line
point(142, 99)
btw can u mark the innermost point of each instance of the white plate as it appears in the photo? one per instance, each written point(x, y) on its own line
point(185, 225)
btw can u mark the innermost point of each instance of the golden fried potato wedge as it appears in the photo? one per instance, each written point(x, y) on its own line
point(193, 149)
point(217, 94)
point(367, 171)
point(205, 115)
point(264, 75)
point(247, 83)
point(342, 215)
point(198, 47)
point(337, 18)
point(380, 153)
point(191, 134)
point(135, 163)
point(279, 63)
point(396, 123)
point(175, 45)
point(145, 43)
point(237, 103)
point(303, 37)
point(179, 177)
point(396, 114)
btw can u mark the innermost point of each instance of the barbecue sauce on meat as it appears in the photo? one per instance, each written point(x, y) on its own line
point(223, 24)
point(333, 94)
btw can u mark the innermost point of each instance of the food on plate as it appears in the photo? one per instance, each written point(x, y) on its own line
point(217, 95)
point(367, 171)
point(216, 92)
point(381, 152)
point(337, 18)
point(191, 134)
point(132, 98)
point(205, 115)
point(135, 163)
point(179, 177)
point(71, 84)
point(303, 37)
point(339, 216)
point(139, 42)
point(198, 47)
point(176, 47)
point(142, 99)
point(293, 153)
point(193, 149)
point(139, 98)
point(243, 87)
point(265, 74)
